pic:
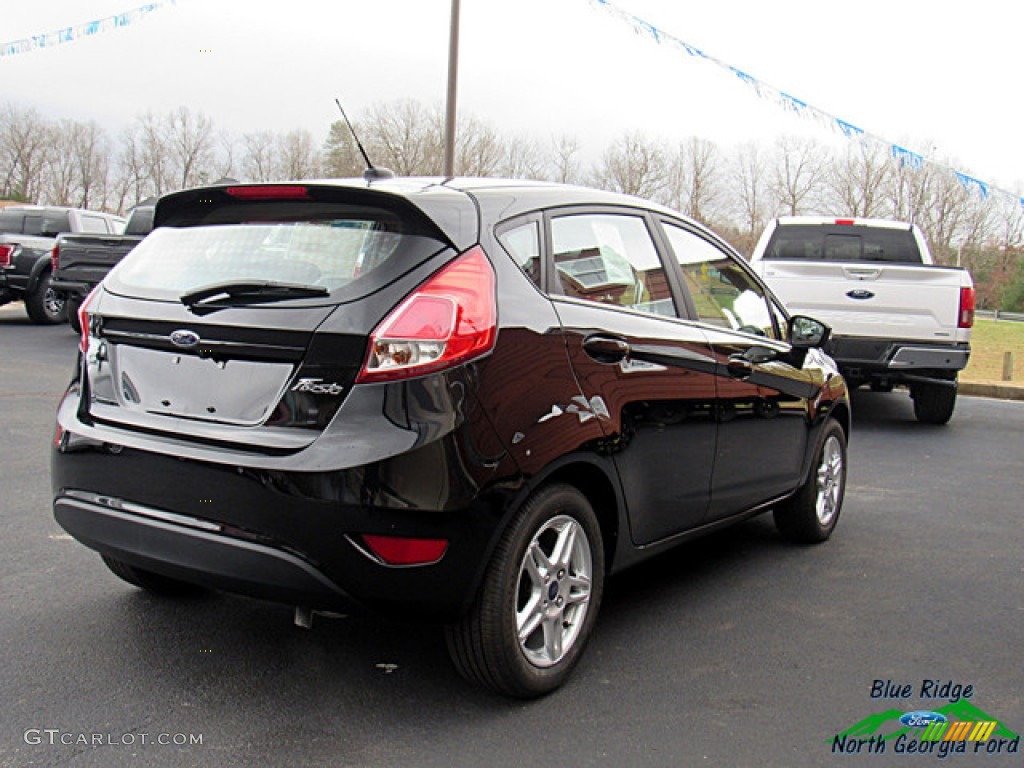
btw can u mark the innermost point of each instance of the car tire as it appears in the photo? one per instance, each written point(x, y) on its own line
point(149, 581)
point(539, 599)
point(73, 305)
point(934, 403)
point(42, 303)
point(810, 515)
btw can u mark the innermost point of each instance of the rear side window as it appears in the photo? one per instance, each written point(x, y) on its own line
point(349, 250)
point(611, 259)
point(843, 243)
point(95, 224)
point(523, 244)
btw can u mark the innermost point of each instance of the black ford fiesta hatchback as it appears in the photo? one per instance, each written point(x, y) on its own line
point(462, 402)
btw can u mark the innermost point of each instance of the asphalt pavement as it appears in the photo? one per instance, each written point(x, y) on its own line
point(735, 650)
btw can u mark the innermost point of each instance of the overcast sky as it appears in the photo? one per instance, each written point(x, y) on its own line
point(936, 77)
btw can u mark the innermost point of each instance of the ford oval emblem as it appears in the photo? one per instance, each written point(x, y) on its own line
point(184, 338)
point(922, 718)
point(861, 294)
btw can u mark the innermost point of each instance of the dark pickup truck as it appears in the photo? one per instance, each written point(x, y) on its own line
point(27, 236)
point(80, 262)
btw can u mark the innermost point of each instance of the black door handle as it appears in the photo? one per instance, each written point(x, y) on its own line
point(606, 349)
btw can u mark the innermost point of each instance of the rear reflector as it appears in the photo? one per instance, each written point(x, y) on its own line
point(6, 254)
point(270, 192)
point(399, 550)
point(966, 319)
point(83, 320)
point(449, 320)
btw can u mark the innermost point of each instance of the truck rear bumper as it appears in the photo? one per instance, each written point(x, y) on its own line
point(893, 362)
point(954, 359)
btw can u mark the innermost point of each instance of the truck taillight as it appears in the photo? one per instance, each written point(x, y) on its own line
point(6, 254)
point(966, 315)
point(450, 319)
point(55, 259)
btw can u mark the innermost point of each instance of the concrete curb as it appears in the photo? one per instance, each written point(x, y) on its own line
point(1001, 390)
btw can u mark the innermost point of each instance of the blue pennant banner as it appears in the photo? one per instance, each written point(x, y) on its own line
point(80, 31)
point(801, 108)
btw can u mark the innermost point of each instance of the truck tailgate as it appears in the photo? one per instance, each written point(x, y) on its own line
point(883, 300)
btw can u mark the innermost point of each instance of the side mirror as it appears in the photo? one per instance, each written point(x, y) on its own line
point(807, 333)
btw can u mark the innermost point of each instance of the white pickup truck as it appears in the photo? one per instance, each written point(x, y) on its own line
point(897, 319)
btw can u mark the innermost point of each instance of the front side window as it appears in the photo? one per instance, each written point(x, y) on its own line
point(611, 259)
point(725, 294)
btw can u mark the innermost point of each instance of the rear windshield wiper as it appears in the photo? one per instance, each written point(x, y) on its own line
point(243, 292)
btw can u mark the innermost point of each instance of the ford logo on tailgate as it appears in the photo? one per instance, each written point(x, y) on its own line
point(860, 293)
point(922, 718)
point(184, 338)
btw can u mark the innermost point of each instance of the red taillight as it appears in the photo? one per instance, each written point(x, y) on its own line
point(55, 259)
point(83, 320)
point(399, 550)
point(450, 319)
point(846, 222)
point(966, 319)
point(270, 192)
point(6, 254)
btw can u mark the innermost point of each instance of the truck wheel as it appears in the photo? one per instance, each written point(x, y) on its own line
point(933, 403)
point(810, 515)
point(539, 599)
point(42, 303)
point(149, 581)
point(73, 305)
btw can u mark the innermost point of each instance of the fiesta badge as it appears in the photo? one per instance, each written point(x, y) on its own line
point(184, 338)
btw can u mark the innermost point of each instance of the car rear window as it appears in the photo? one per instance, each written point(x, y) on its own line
point(843, 243)
point(349, 250)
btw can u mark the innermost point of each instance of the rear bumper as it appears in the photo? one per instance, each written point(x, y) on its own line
point(256, 525)
point(192, 550)
point(71, 288)
point(863, 358)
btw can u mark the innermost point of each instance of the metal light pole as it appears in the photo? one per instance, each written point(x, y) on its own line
point(453, 78)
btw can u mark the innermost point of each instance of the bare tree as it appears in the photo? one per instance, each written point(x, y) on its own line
point(92, 157)
point(406, 137)
point(297, 155)
point(58, 182)
point(857, 181)
point(633, 165)
point(797, 173)
point(478, 150)
point(258, 160)
point(522, 159)
point(190, 146)
point(693, 181)
point(750, 193)
point(565, 162)
point(24, 142)
point(154, 153)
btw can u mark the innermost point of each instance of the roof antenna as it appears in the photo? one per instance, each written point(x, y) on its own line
point(371, 173)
